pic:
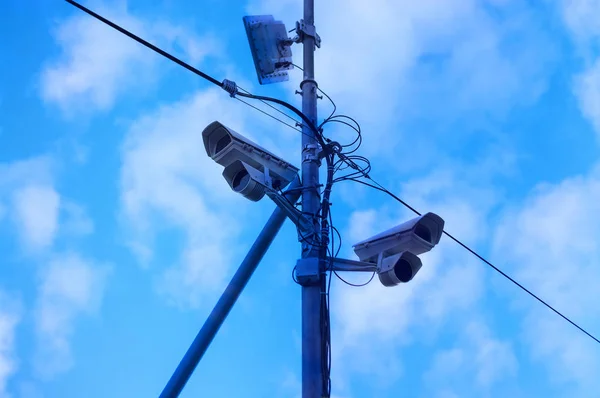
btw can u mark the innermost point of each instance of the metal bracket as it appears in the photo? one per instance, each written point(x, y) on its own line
point(305, 226)
point(304, 29)
point(290, 40)
point(342, 264)
point(308, 270)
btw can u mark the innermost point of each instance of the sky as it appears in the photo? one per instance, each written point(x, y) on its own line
point(118, 233)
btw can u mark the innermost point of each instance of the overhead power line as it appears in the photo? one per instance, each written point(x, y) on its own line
point(379, 187)
point(145, 43)
point(362, 171)
point(268, 114)
point(198, 72)
point(230, 87)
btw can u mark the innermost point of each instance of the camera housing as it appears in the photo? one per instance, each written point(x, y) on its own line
point(395, 250)
point(417, 236)
point(398, 268)
point(235, 153)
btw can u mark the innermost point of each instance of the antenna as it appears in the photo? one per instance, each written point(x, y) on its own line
point(270, 47)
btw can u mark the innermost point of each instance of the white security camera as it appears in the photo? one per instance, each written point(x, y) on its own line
point(417, 236)
point(395, 250)
point(241, 157)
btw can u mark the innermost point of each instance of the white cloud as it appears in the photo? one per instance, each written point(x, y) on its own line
point(37, 170)
point(10, 317)
point(362, 224)
point(478, 360)
point(37, 208)
point(167, 176)
point(76, 221)
point(580, 16)
point(587, 89)
point(552, 247)
point(407, 61)
point(70, 286)
point(30, 200)
point(446, 289)
point(39, 212)
point(96, 61)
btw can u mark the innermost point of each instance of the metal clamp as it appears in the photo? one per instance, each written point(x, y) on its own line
point(311, 153)
point(304, 29)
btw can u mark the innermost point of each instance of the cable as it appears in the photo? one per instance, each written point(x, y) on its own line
point(145, 43)
point(232, 89)
point(277, 109)
point(329, 156)
point(271, 116)
point(226, 85)
point(364, 172)
point(199, 72)
point(519, 285)
point(355, 285)
point(473, 252)
point(337, 232)
point(325, 284)
point(332, 112)
point(334, 119)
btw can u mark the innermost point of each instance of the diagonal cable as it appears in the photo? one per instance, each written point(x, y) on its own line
point(379, 187)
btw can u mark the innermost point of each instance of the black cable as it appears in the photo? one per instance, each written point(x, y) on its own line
point(382, 189)
point(519, 285)
point(271, 116)
point(355, 285)
point(325, 94)
point(332, 112)
point(358, 139)
point(145, 43)
point(211, 79)
point(306, 120)
point(276, 109)
point(325, 284)
point(337, 232)
point(348, 160)
point(339, 235)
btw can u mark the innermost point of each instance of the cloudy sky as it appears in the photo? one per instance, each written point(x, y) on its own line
point(118, 234)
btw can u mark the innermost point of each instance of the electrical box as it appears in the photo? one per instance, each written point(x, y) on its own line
point(270, 47)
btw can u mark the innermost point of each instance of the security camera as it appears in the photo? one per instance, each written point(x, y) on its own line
point(240, 157)
point(398, 268)
point(417, 236)
point(395, 250)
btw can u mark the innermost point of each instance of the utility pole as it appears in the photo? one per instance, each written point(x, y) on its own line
point(250, 170)
point(312, 372)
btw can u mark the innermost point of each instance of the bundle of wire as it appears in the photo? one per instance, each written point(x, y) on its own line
point(328, 240)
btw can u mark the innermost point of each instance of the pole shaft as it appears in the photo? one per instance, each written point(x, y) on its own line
point(312, 380)
point(227, 300)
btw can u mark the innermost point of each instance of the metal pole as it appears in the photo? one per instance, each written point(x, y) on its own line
point(312, 380)
point(228, 298)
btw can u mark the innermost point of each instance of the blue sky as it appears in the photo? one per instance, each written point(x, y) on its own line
point(118, 233)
